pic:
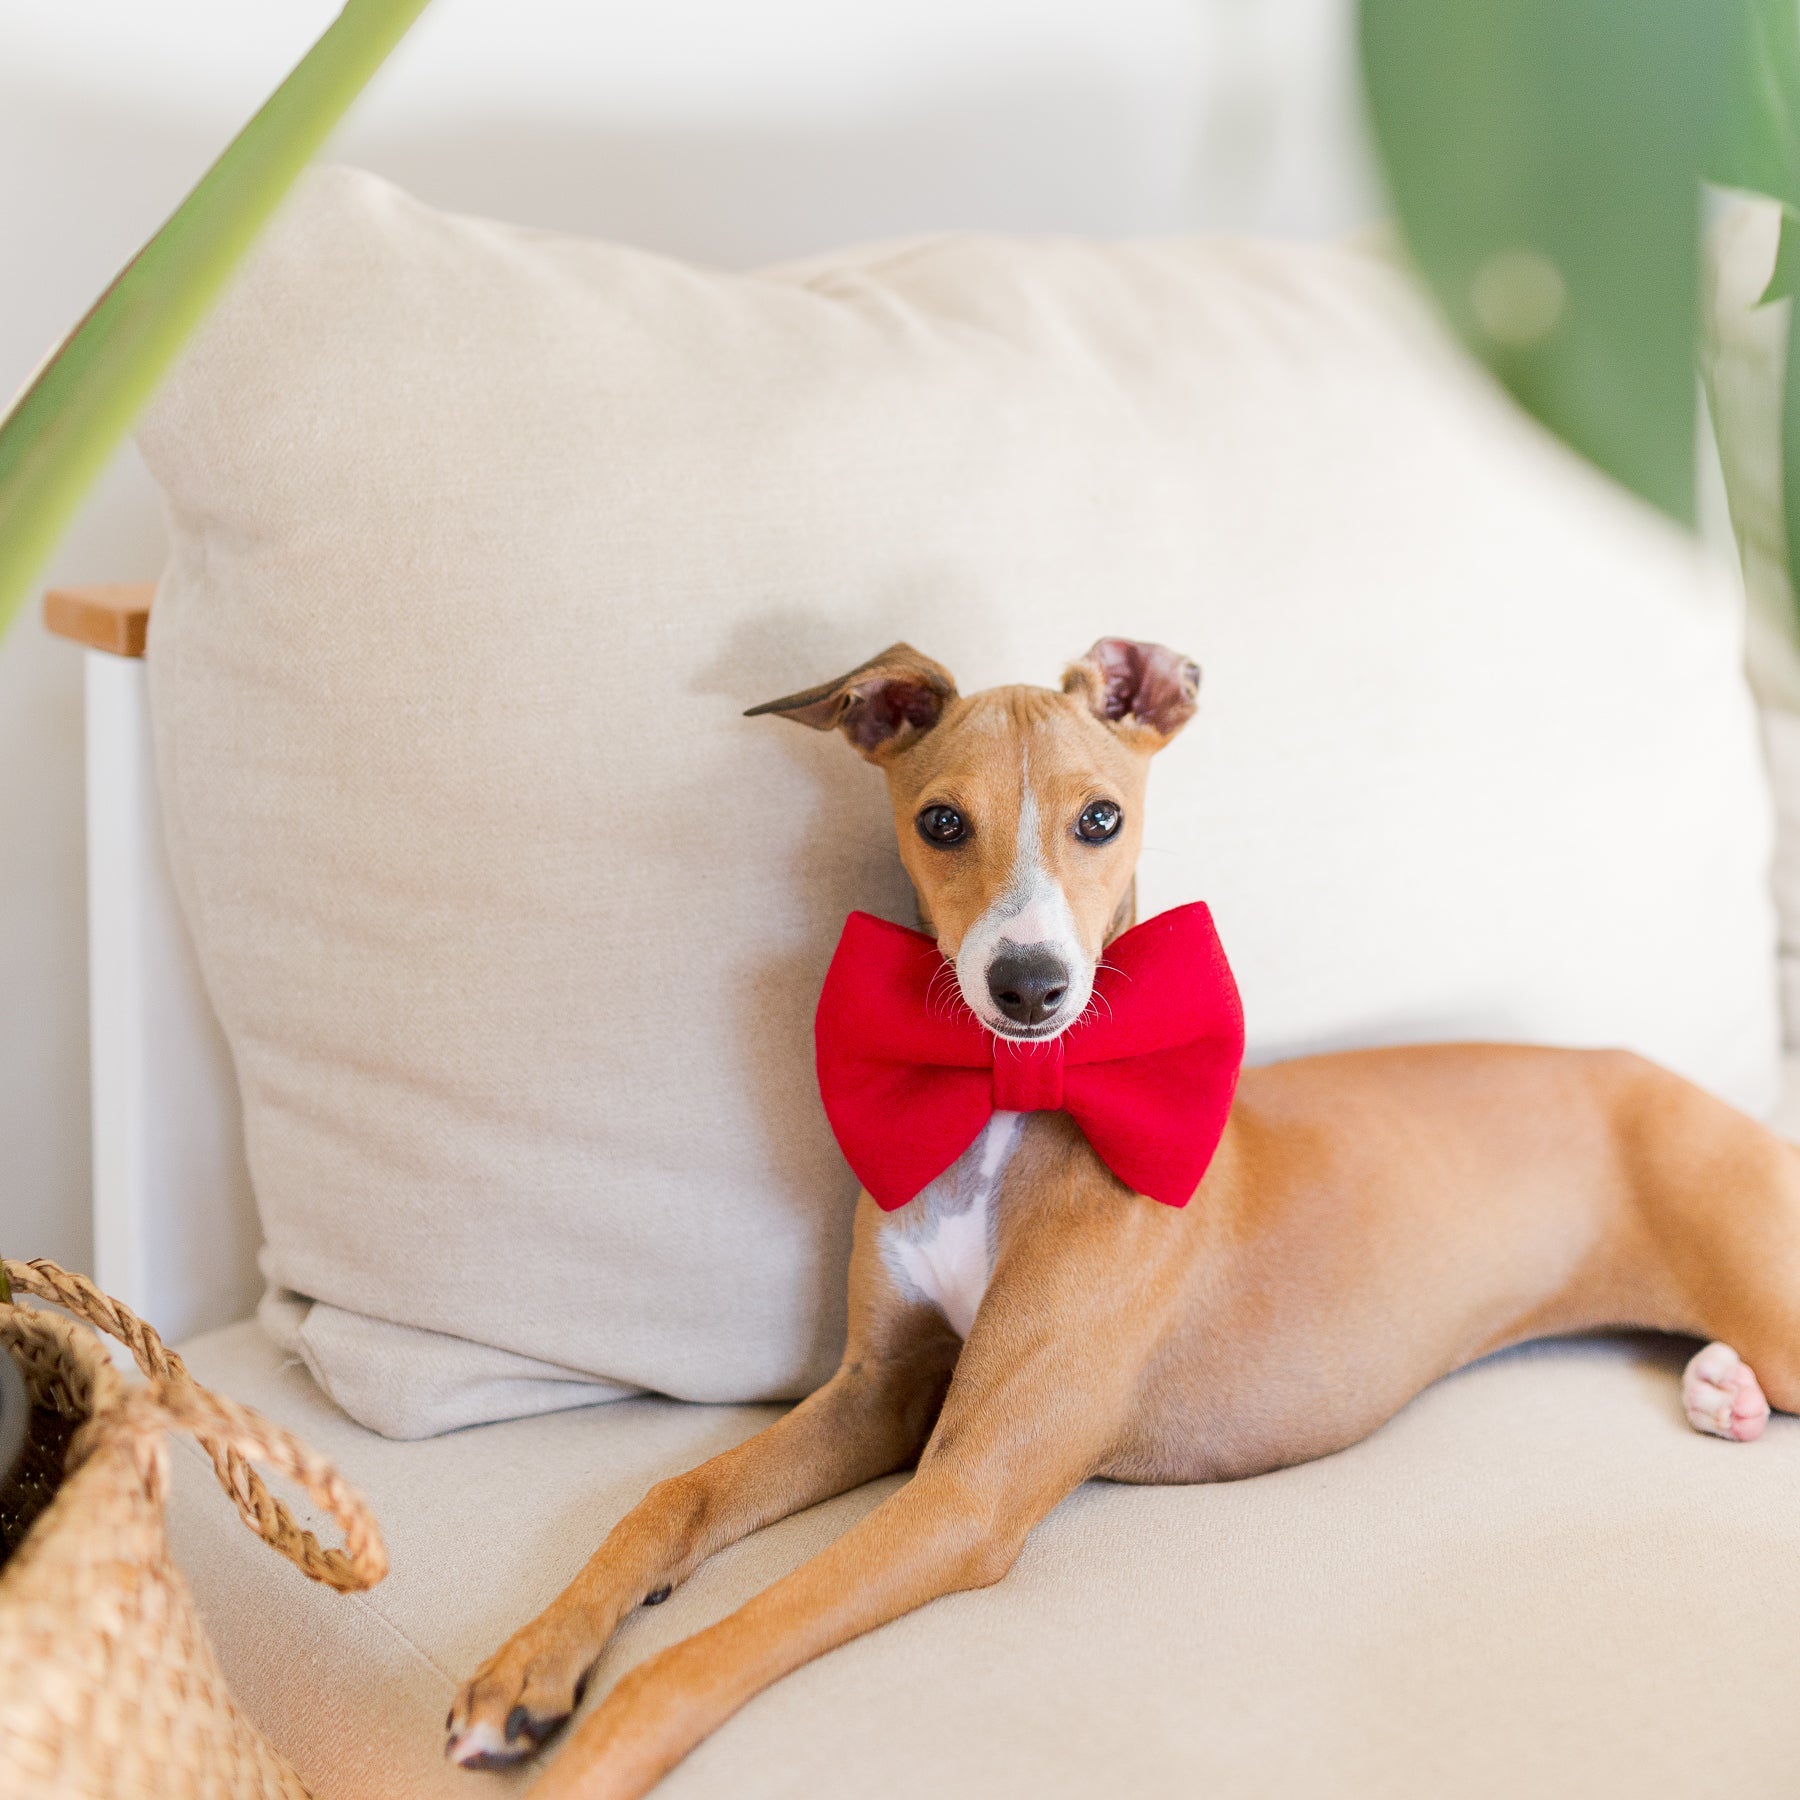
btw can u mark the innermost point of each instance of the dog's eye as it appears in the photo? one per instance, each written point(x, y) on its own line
point(942, 825)
point(1099, 822)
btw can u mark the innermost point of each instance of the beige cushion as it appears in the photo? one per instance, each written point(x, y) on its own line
point(1537, 1581)
point(483, 539)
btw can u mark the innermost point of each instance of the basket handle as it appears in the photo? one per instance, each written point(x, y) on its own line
point(232, 1435)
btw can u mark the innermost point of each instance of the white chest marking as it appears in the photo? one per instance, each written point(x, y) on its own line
point(940, 1248)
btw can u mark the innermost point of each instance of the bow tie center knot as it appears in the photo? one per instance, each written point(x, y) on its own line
point(1028, 1077)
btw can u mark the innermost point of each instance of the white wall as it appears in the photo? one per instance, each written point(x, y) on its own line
point(735, 131)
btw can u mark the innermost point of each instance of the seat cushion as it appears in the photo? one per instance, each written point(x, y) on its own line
point(484, 539)
point(1537, 1580)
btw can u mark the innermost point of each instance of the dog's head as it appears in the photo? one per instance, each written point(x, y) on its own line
point(1019, 810)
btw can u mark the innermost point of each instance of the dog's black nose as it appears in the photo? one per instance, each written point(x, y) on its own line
point(1027, 985)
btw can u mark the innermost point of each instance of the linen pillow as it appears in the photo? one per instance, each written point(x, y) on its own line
point(484, 538)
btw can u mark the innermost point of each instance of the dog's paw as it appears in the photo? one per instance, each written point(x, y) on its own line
point(512, 1705)
point(1722, 1396)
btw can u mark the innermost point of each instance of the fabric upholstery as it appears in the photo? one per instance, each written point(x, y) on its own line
point(482, 541)
point(1537, 1580)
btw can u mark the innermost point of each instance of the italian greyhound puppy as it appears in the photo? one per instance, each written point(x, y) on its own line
point(1369, 1222)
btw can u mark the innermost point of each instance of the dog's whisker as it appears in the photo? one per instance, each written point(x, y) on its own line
point(944, 997)
point(1096, 1000)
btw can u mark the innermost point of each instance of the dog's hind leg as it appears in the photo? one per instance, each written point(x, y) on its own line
point(1722, 1197)
point(871, 1418)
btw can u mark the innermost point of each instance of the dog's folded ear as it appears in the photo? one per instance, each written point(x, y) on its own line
point(1145, 689)
point(881, 706)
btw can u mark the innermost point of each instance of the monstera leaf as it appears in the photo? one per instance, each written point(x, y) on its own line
point(1546, 161)
point(57, 435)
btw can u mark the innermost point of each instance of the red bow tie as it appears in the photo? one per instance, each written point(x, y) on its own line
point(1147, 1072)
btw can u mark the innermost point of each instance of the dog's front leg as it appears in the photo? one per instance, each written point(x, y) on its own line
point(1030, 1414)
point(871, 1418)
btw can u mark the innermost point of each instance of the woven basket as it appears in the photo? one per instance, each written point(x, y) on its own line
point(108, 1686)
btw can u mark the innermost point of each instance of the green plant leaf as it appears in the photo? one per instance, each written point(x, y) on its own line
point(56, 437)
point(1787, 259)
point(1544, 158)
point(1756, 134)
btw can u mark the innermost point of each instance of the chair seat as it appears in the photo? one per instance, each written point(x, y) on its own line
point(1537, 1580)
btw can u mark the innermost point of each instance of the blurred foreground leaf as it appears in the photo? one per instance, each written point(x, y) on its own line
point(1544, 158)
point(1756, 133)
point(56, 437)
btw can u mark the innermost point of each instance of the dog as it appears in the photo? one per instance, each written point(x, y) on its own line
point(1370, 1221)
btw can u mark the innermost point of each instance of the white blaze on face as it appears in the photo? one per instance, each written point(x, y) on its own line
point(1031, 912)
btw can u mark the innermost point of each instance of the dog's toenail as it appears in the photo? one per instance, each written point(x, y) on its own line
point(450, 1719)
point(656, 1597)
point(516, 1721)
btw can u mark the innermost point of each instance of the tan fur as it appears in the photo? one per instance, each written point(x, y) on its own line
point(1371, 1221)
point(975, 761)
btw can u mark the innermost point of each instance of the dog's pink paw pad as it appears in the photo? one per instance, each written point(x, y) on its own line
point(1722, 1396)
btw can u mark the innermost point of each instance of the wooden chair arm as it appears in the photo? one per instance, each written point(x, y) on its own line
point(114, 617)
